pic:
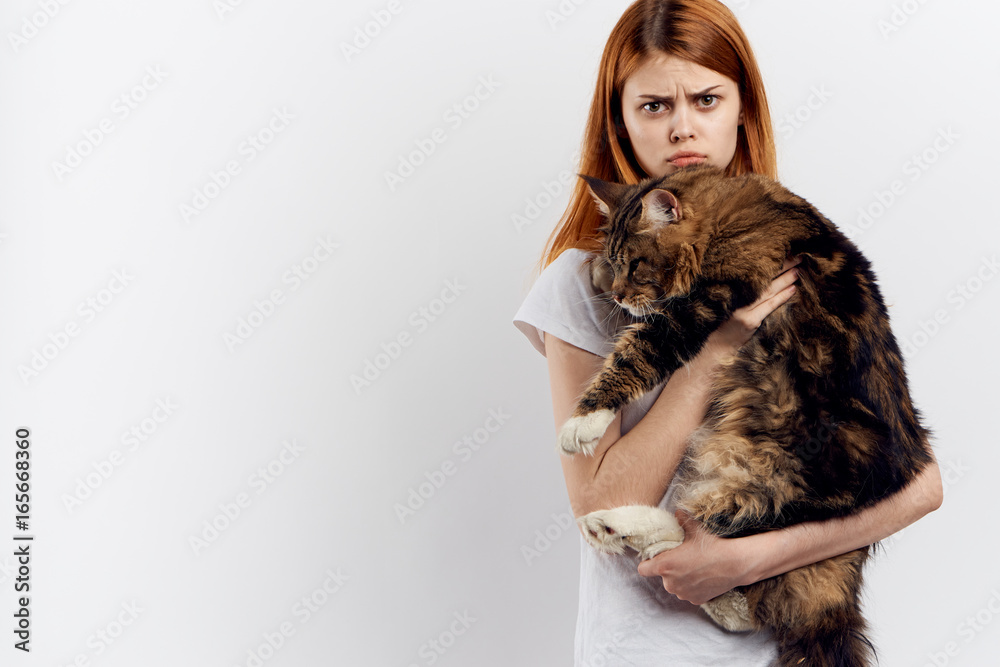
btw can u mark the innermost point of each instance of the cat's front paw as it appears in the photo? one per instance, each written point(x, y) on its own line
point(648, 530)
point(581, 434)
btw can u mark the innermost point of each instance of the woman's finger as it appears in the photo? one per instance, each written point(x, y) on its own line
point(780, 283)
point(781, 290)
point(778, 292)
point(764, 308)
point(777, 286)
point(790, 262)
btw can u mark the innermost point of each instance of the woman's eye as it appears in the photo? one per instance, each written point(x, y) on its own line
point(653, 107)
point(708, 100)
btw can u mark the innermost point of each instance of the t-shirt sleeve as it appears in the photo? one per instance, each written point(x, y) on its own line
point(564, 303)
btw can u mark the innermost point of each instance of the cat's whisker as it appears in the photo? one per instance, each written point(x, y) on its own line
point(614, 312)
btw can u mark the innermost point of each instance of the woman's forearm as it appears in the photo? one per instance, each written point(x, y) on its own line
point(706, 566)
point(635, 468)
point(783, 550)
point(639, 467)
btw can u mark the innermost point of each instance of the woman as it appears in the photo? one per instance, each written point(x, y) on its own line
point(678, 85)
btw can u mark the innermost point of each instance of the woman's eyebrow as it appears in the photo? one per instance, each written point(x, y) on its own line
point(670, 98)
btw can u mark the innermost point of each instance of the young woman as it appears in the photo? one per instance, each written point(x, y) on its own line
point(678, 85)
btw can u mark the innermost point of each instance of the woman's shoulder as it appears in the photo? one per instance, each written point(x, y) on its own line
point(572, 261)
point(564, 303)
point(573, 255)
point(567, 277)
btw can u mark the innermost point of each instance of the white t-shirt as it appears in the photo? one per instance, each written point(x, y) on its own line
point(625, 619)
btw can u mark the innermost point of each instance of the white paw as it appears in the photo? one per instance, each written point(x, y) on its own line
point(730, 611)
point(581, 434)
point(648, 530)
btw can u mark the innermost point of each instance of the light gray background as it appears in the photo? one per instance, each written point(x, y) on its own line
point(867, 101)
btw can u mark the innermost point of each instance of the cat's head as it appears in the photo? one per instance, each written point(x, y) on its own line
point(653, 240)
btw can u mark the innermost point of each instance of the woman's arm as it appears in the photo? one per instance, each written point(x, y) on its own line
point(638, 468)
point(706, 566)
point(634, 469)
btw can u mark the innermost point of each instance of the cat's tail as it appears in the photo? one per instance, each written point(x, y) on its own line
point(842, 647)
point(814, 613)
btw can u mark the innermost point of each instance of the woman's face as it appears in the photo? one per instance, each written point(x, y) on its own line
point(677, 113)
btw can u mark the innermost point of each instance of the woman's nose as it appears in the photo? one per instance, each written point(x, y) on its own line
point(681, 127)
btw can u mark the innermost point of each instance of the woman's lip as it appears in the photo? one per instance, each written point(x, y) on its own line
point(687, 160)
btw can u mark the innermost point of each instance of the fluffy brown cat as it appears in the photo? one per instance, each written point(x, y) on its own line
point(812, 419)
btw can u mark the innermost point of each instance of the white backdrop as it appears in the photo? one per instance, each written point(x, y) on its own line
point(258, 270)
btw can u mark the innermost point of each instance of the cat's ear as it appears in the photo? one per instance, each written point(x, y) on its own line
point(608, 196)
point(660, 207)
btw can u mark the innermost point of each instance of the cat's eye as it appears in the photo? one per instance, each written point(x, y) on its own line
point(634, 275)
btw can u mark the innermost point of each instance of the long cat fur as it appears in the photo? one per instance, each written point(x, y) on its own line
point(812, 419)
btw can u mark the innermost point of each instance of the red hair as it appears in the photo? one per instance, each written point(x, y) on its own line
point(704, 32)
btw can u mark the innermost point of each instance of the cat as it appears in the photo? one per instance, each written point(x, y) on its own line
point(811, 419)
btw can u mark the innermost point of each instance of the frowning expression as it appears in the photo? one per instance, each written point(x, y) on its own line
point(677, 113)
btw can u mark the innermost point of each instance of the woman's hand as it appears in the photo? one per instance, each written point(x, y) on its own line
point(740, 327)
point(706, 566)
point(703, 567)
